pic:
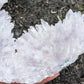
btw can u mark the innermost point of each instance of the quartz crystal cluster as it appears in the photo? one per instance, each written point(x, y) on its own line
point(42, 51)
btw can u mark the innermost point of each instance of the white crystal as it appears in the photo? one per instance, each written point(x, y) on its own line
point(42, 51)
point(2, 2)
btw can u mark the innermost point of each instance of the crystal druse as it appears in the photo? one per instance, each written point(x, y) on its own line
point(42, 51)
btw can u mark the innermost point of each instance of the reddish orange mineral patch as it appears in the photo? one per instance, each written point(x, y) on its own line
point(48, 79)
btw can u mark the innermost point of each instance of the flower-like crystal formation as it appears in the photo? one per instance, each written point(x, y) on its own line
point(42, 51)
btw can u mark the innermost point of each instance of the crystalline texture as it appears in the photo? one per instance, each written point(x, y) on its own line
point(42, 51)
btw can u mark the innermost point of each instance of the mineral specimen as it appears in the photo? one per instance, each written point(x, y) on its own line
point(42, 51)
